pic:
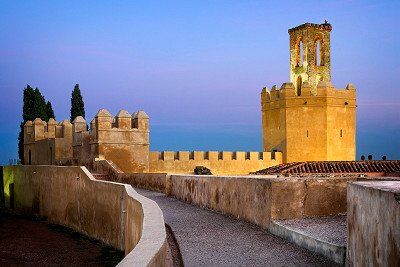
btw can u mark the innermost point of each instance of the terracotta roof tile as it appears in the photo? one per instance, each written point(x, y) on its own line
point(314, 167)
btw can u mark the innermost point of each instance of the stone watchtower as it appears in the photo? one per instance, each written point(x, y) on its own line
point(310, 54)
point(308, 119)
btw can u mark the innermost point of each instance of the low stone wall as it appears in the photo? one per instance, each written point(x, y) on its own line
point(258, 199)
point(111, 212)
point(220, 163)
point(149, 181)
point(308, 197)
point(242, 197)
point(373, 223)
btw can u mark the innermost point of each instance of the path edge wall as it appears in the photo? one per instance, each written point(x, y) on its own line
point(111, 212)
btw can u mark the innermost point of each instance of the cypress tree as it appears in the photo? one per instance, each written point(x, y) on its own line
point(34, 106)
point(21, 143)
point(39, 107)
point(28, 104)
point(49, 110)
point(77, 104)
point(27, 114)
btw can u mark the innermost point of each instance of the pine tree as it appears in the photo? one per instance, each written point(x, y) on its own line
point(49, 110)
point(77, 104)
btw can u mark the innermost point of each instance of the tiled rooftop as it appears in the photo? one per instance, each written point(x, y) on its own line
point(334, 167)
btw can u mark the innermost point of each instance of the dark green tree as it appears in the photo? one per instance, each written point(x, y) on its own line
point(39, 106)
point(28, 104)
point(21, 142)
point(34, 106)
point(27, 114)
point(49, 110)
point(77, 104)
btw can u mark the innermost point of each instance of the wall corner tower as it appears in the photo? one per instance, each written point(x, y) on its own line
point(308, 119)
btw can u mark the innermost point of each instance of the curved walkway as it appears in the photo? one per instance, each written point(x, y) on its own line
point(207, 238)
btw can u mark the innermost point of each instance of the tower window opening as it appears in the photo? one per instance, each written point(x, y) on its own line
point(307, 133)
point(29, 157)
point(299, 53)
point(341, 133)
point(299, 84)
point(318, 53)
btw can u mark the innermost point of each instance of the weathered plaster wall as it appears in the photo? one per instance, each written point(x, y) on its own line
point(242, 197)
point(111, 212)
point(220, 163)
point(308, 197)
point(373, 223)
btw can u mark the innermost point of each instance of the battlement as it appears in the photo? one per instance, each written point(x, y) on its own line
point(309, 123)
point(220, 162)
point(324, 26)
point(212, 155)
point(124, 140)
point(122, 121)
point(39, 130)
point(308, 95)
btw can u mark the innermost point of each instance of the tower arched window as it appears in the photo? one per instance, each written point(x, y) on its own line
point(299, 53)
point(319, 55)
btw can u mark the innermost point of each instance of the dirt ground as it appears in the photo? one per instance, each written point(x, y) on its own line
point(34, 242)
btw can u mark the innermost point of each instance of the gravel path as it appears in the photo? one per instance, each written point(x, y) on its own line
point(330, 229)
point(207, 238)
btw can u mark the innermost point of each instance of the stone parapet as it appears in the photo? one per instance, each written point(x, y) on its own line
point(373, 223)
point(220, 162)
point(111, 212)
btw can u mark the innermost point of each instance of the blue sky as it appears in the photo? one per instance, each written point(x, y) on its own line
point(196, 67)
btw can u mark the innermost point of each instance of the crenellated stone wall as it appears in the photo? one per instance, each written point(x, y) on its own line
point(124, 139)
point(224, 162)
point(47, 143)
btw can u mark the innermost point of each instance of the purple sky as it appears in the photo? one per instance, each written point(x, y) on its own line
point(196, 67)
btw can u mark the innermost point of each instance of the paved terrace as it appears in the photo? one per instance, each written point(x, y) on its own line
point(207, 238)
point(328, 229)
